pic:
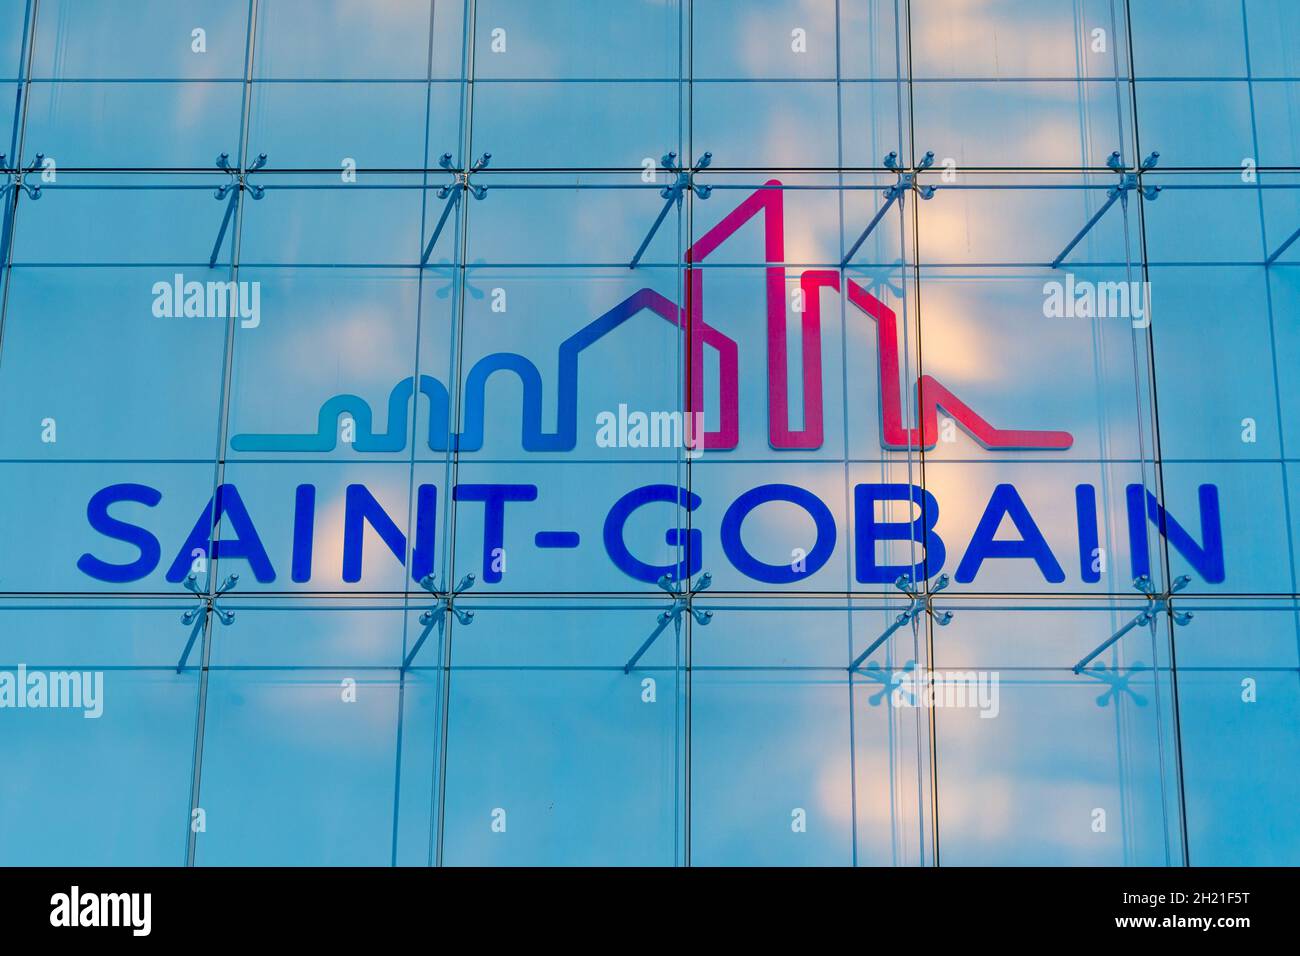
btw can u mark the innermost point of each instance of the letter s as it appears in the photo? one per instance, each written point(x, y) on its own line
point(99, 518)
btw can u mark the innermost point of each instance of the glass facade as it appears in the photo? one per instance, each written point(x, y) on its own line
point(653, 432)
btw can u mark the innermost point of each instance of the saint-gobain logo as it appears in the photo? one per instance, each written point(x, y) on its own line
point(353, 416)
point(931, 395)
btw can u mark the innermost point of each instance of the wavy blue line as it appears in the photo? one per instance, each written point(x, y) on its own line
point(533, 438)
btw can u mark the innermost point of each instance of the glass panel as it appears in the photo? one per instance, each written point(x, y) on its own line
point(98, 327)
point(101, 691)
point(581, 760)
point(294, 774)
point(1237, 710)
point(134, 125)
point(1086, 780)
point(1018, 40)
point(72, 40)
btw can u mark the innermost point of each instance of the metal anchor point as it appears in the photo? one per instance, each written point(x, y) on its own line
point(906, 182)
point(918, 604)
point(460, 184)
point(436, 616)
point(1156, 604)
point(673, 194)
point(683, 605)
point(198, 615)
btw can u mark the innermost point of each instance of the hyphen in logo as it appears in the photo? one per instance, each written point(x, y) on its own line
point(363, 511)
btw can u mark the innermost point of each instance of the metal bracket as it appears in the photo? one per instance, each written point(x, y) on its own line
point(918, 603)
point(238, 183)
point(460, 184)
point(1268, 262)
point(895, 193)
point(437, 615)
point(673, 193)
point(14, 180)
point(683, 603)
point(198, 615)
point(1156, 603)
point(1128, 181)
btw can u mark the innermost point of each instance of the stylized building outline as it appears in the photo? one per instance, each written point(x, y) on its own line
point(931, 395)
